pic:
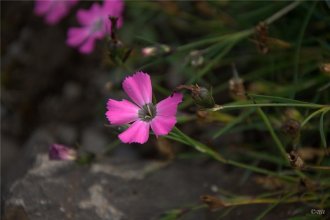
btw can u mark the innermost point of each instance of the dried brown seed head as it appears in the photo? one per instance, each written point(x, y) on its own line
point(291, 128)
point(295, 160)
point(212, 202)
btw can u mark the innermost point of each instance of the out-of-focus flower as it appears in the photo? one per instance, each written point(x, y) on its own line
point(61, 152)
point(95, 24)
point(142, 114)
point(53, 10)
point(155, 50)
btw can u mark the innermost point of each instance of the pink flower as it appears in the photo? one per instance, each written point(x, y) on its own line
point(94, 24)
point(53, 10)
point(61, 152)
point(142, 114)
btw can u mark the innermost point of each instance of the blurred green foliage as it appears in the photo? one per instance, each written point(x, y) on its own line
point(280, 49)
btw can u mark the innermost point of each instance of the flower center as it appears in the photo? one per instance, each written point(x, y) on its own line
point(97, 26)
point(147, 112)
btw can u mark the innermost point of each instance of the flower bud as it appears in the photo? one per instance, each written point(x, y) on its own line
point(325, 68)
point(201, 96)
point(61, 152)
point(149, 51)
point(236, 86)
point(116, 49)
point(196, 58)
point(155, 50)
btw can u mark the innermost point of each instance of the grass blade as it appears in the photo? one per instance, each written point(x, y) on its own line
point(322, 132)
point(233, 123)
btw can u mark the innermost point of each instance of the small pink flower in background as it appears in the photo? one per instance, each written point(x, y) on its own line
point(61, 152)
point(95, 24)
point(53, 10)
point(142, 114)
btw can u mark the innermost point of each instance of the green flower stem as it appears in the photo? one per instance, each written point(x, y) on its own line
point(200, 146)
point(271, 201)
point(223, 38)
point(312, 167)
point(299, 43)
point(230, 125)
point(325, 109)
point(299, 105)
point(273, 134)
point(242, 34)
point(123, 65)
point(207, 150)
point(282, 12)
point(277, 140)
point(260, 170)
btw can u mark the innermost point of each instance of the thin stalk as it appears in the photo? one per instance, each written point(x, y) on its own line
point(282, 12)
point(302, 105)
point(217, 156)
point(300, 39)
point(276, 99)
point(325, 109)
point(270, 201)
point(203, 42)
point(271, 206)
point(260, 170)
point(241, 34)
point(124, 65)
point(273, 134)
point(201, 147)
point(322, 133)
point(233, 123)
point(276, 139)
point(312, 167)
point(214, 62)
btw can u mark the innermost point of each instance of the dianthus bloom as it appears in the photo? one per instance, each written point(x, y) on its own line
point(53, 10)
point(142, 114)
point(94, 24)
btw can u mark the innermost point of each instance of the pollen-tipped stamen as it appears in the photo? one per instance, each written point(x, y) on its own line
point(147, 112)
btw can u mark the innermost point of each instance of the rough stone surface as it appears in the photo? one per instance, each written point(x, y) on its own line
point(117, 189)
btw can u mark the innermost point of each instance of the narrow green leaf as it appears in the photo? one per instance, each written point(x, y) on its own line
point(322, 133)
point(230, 125)
point(277, 99)
point(311, 116)
point(272, 132)
point(213, 62)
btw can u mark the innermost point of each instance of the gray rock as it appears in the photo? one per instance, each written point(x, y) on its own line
point(117, 189)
